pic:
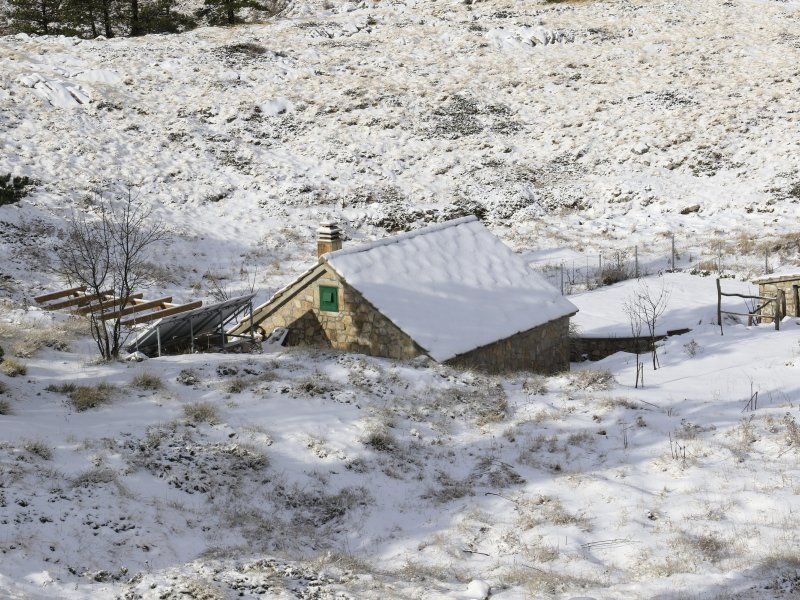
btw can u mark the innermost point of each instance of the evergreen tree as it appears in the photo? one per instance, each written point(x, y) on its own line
point(42, 17)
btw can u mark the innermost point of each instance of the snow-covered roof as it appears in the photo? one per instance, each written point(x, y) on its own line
point(452, 287)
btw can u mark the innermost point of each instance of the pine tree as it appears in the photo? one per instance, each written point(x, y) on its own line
point(42, 17)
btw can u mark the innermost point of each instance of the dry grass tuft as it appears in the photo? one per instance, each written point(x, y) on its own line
point(12, 367)
point(201, 412)
point(147, 381)
point(84, 397)
point(38, 448)
point(594, 380)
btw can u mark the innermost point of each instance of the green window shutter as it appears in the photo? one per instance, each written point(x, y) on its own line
point(329, 298)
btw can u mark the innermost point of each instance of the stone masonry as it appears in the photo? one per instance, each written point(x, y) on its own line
point(356, 327)
point(544, 349)
point(769, 286)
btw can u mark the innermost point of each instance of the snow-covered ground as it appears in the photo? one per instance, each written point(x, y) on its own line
point(320, 475)
point(578, 130)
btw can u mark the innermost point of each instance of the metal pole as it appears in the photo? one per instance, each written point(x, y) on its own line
point(222, 329)
point(562, 279)
point(158, 338)
point(636, 261)
point(191, 335)
point(719, 307)
point(766, 262)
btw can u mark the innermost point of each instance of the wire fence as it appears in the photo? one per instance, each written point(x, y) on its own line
point(574, 272)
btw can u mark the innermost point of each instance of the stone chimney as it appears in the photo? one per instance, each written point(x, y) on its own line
point(329, 238)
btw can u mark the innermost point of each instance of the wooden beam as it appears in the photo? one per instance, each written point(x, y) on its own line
point(61, 294)
point(174, 310)
point(137, 307)
point(106, 305)
point(79, 301)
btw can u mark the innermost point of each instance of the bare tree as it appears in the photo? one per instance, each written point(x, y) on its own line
point(631, 309)
point(647, 305)
point(109, 255)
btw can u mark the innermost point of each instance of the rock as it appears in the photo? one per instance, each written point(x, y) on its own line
point(691, 209)
point(136, 357)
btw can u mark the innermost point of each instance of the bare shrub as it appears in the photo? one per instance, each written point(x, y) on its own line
point(709, 545)
point(147, 381)
point(38, 448)
point(792, 431)
point(449, 489)
point(12, 367)
point(594, 380)
point(84, 397)
point(201, 412)
point(5, 407)
point(94, 477)
point(547, 510)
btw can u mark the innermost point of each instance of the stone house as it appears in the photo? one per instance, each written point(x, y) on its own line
point(769, 286)
point(451, 291)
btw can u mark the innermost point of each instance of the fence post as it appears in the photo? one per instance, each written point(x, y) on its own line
point(673, 252)
point(562, 278)
point(636, 261)
point(719, 307)
point(796, 298)
point(599, 268)
point(780, 302)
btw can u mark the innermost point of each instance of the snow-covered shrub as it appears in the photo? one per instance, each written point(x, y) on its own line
point(201, 412)
point(188, 377)
point(535, 386)
point(594, 380)
point(380, 439)
point(12, 367)
point(236, 386)
point(147, 381)
point(14, 189)
point(38, 448)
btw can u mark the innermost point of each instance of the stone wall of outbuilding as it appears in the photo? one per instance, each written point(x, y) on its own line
point(543, 349)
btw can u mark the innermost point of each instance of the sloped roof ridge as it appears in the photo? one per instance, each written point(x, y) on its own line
point(394, 239)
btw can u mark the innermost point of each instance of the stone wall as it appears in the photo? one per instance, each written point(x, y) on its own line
point(544, 349)
point(581, 349)
point(356, 327)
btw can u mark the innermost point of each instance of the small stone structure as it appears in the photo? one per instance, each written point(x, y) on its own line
point(770, 285)
point(356, 327)
point(451, 291)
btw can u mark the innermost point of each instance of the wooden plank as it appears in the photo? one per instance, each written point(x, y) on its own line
point(137, 307)
point(747, 297)
point(174, 310)
point(79, 301)
point(106, 305)
point(61, 294)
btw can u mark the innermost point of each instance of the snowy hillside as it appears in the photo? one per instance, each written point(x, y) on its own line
point(590, 123)
point(576, 130)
